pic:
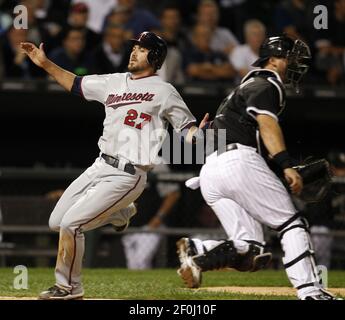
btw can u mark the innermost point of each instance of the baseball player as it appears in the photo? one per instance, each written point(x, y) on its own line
point(138, 107)
point(240, 187)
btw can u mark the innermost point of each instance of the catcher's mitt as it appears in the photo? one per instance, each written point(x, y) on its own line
point(317, 178)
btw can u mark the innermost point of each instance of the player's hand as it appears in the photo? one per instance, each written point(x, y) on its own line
point(204, 121)
point(294, 180)
point(37, 55)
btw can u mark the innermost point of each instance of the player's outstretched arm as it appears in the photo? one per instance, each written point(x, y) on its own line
point(38, 57)
point(193, 130)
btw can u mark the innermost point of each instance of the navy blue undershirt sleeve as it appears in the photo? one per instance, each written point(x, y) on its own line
point(76, 87)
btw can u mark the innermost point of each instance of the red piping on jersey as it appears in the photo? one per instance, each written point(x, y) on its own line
point(151, 75)
point(80, 226)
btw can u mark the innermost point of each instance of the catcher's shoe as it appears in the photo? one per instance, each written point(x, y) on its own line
point(58, 293)
point(130, 211)
point(322, 295)
point(189, 272)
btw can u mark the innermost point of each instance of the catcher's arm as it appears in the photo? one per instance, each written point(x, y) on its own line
point(38, 56)
point(272, 136)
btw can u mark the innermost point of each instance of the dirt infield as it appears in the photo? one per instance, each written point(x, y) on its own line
point(267, 291)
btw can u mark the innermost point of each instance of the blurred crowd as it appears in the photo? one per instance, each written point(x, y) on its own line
point(209, 40)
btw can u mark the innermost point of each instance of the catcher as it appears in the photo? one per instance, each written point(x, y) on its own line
point(240, 187)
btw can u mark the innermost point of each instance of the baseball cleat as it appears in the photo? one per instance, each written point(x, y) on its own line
point(189, 272)
point(131, 210)
point(58, 293)
point(322, 295)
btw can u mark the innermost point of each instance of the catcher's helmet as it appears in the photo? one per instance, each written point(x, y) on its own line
point(296, 52)
point(337, 158)
point(157, 46)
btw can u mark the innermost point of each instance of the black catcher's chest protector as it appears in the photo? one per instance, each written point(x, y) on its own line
point(261, 91)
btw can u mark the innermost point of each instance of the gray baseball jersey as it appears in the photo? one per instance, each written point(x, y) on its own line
point(137, 113)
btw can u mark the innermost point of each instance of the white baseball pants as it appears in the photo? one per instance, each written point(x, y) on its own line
point(244, 193)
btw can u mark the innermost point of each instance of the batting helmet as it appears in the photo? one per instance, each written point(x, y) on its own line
point(157, 46)
point(296, 52)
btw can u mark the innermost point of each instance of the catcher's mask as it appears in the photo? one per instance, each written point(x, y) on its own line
point(296, 52)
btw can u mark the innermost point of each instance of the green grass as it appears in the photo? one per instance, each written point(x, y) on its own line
point(155, 284)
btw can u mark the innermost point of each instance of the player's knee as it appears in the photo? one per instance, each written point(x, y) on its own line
point(68, 226)
point(65, 225)
point(54, 225)
point(60, 225)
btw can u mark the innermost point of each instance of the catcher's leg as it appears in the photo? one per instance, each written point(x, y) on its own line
point(258, 190)
point(243, 230)
point(224, 255)
point(299, 259)
point(246, 248)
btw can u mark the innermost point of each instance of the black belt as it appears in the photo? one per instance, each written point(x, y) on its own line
point(114, 162)
point(229, 147)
